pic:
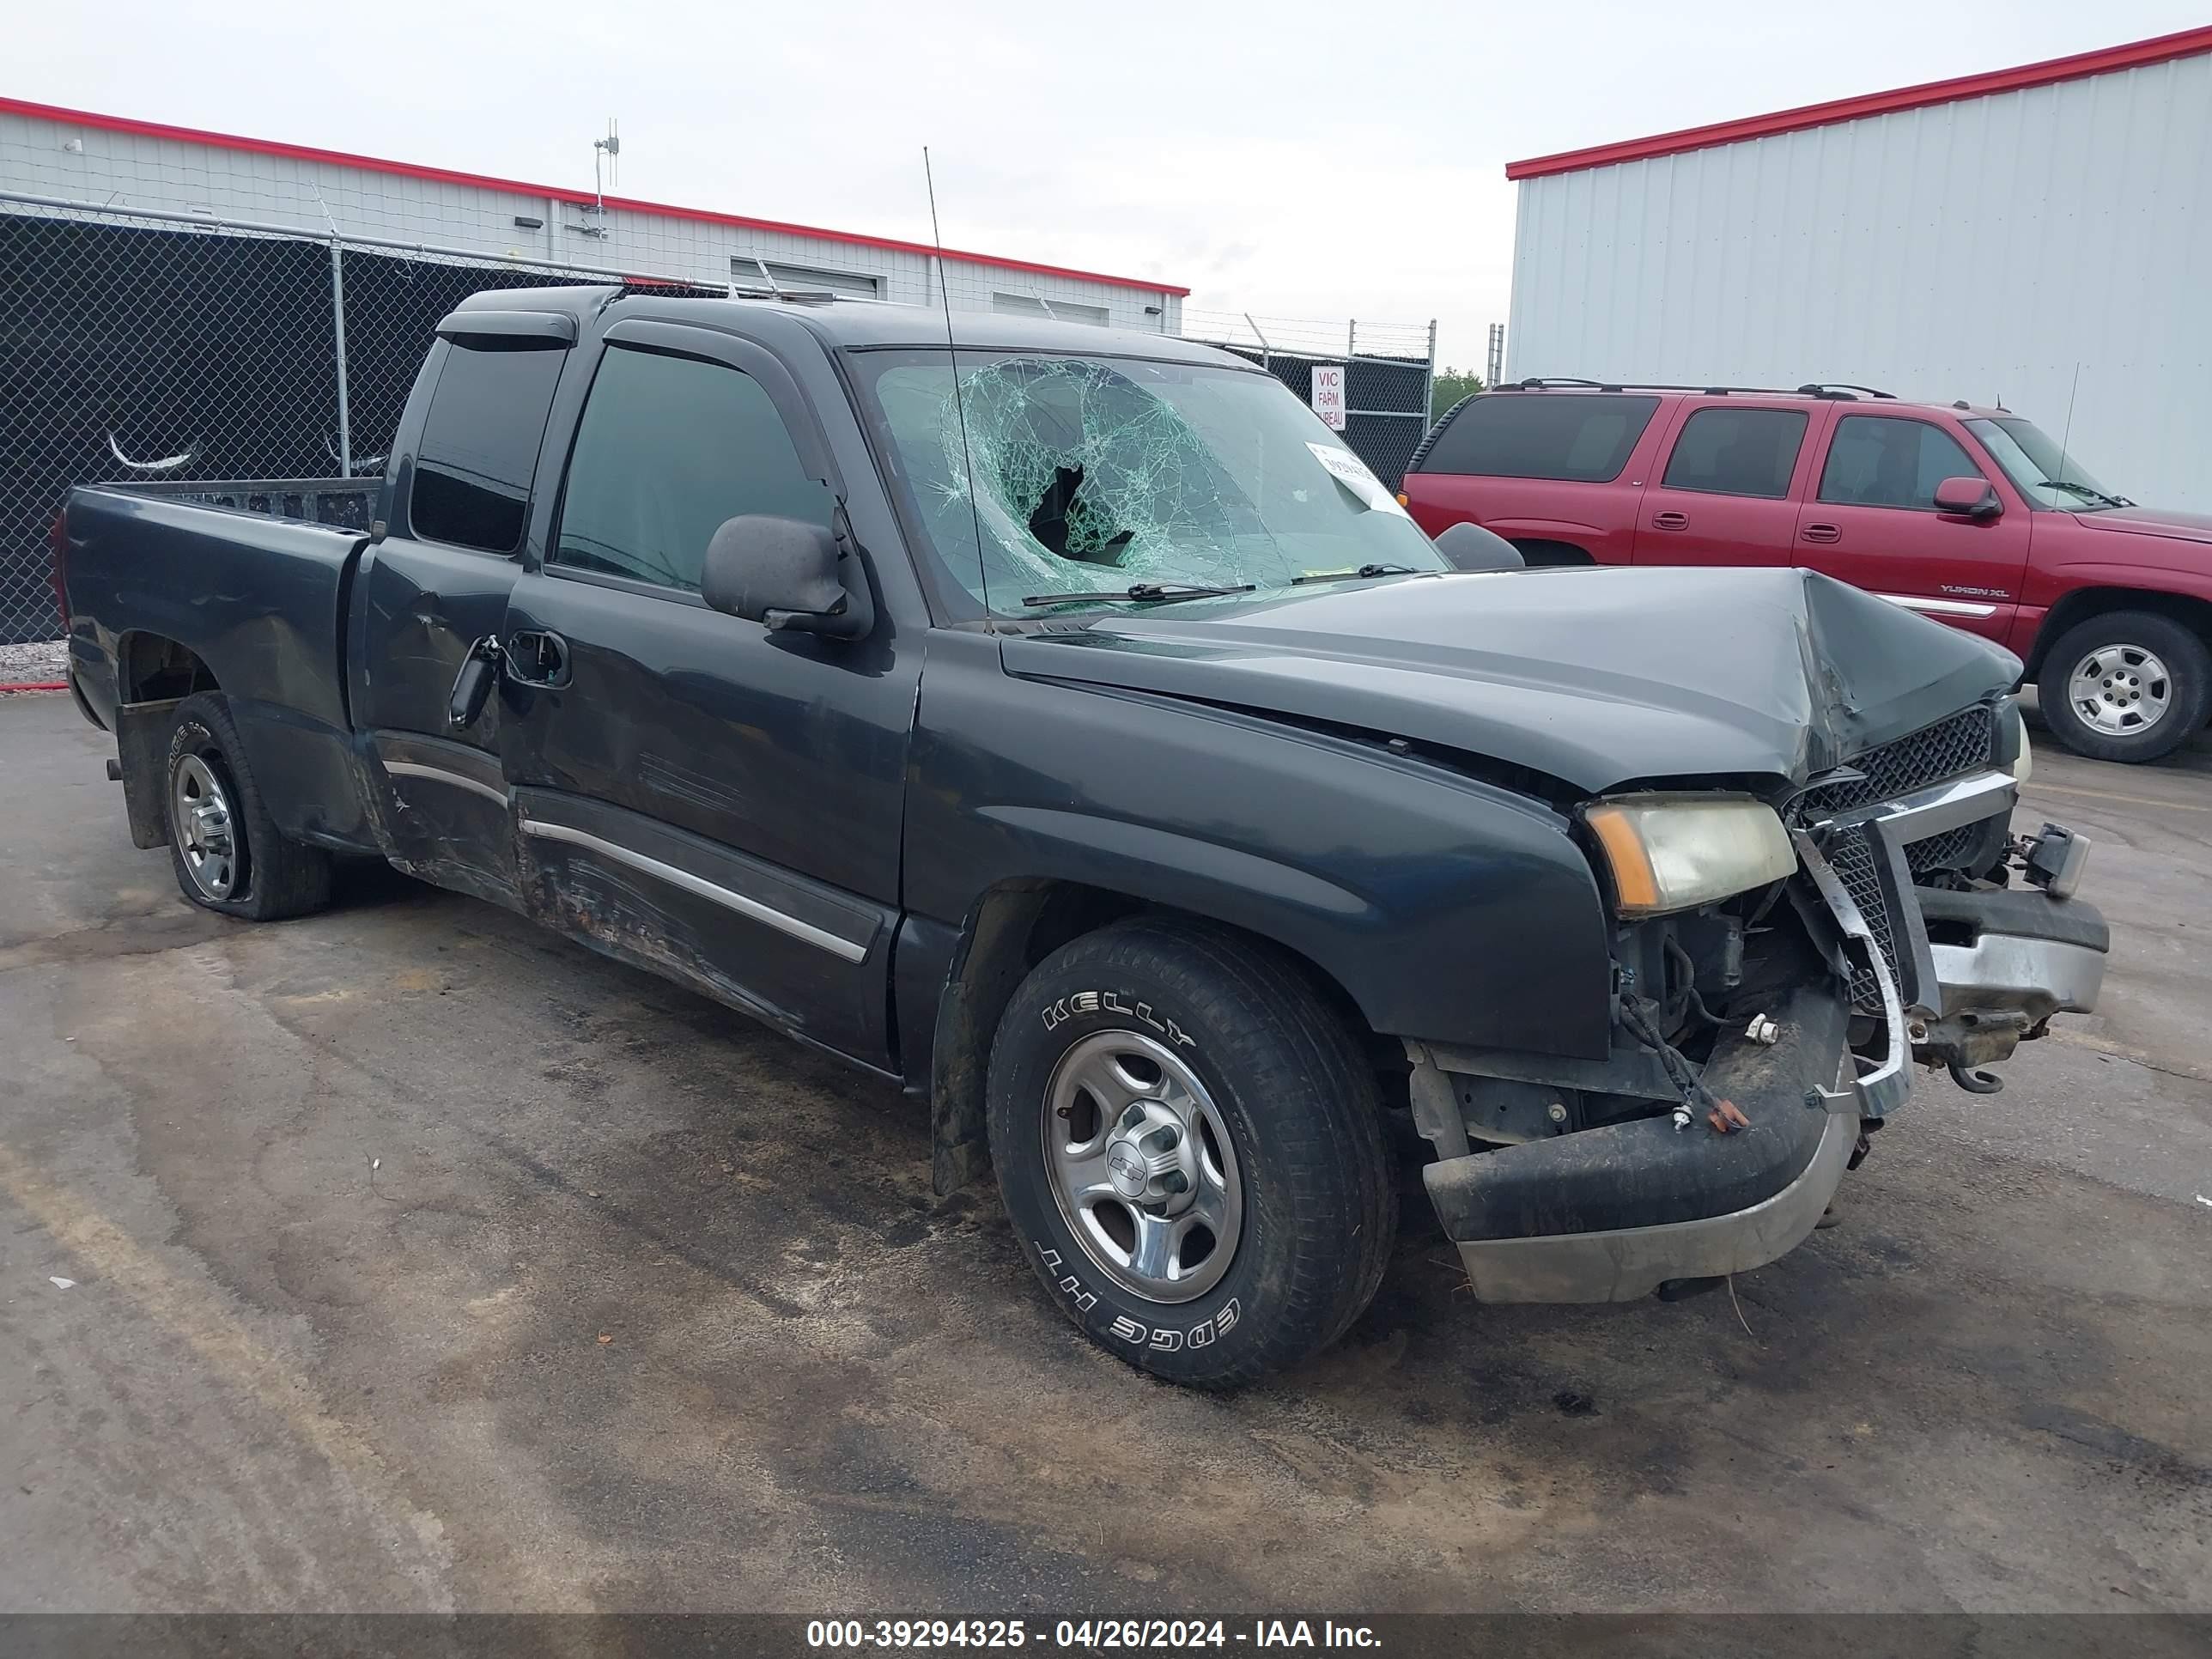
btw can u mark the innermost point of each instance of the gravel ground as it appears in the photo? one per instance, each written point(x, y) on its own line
point(42, 660)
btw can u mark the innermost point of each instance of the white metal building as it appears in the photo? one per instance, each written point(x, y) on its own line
point(1990, 237)
point(79, 157)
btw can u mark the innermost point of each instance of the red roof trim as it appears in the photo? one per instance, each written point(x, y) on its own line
point(448, 176)
point(2134, 55)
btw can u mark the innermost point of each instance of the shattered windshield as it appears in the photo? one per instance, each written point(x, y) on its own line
point(1091, 476)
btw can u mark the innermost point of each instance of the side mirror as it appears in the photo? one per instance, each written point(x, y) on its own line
point(1470, 547)
point(786, 574)
point(1975, 497)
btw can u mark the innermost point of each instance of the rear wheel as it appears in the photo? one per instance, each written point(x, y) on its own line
point(2128, 685)
point(1189, 1144)
point(227, 853)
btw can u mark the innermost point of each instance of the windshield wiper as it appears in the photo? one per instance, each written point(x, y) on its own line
point(1348, 575)
point(2085, 492)
point(1151, 593)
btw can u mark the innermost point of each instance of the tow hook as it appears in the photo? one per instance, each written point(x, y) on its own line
point(1964, 1042)
point(1974, 1083)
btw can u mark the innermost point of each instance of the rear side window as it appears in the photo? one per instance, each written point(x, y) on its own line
point(479, 447)
point(1541, 434)
point(1737, 452)
point(668, 448)
point(1876, 460)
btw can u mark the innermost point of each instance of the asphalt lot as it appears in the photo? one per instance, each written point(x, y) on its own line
point(425, 1261)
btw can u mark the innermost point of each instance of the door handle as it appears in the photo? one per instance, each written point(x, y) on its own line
point(472, 686)
point(1821, 532)
point(535, 656)
point(1670, 520)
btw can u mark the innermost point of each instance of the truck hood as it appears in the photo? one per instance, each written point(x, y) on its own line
point(1595, 677)
point(2149, 521)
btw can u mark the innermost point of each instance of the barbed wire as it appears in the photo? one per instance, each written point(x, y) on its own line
point(1313, 337)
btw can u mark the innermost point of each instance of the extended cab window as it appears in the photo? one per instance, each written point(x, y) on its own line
point(1541, 434)
point(1737, 452)
point(668, 448)
point(1876, 460)
point(479, 446)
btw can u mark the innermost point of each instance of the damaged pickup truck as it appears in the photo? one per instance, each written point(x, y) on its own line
point(1061, 723)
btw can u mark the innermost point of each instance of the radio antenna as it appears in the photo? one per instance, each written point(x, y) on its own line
point(2066, 434)
point(959, 402)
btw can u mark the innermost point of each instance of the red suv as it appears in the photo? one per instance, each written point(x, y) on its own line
point(1974, 516)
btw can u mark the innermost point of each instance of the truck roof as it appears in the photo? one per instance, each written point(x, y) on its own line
point(860, 324)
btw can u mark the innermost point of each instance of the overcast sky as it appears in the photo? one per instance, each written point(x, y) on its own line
point(1291, 159)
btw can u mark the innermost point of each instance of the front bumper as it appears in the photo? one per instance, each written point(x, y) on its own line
point(2015, 951)
point(1610, 1214)
point(1944, 978)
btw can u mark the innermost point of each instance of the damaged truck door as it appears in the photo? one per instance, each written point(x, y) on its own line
point(1064, 724)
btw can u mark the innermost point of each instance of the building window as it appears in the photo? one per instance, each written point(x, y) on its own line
point(1065, 310)
point(749, 272)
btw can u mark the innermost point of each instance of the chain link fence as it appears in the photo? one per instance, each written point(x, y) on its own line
point(1389, 368)
point(146, 348)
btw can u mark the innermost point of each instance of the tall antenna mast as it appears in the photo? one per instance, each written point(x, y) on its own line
point(959, 402)
point(605, 150)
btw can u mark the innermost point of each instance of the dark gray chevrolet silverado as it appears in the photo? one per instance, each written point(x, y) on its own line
point(1060, 723)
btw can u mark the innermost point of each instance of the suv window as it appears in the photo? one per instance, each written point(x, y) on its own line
point(1543, 435)
point(1737, 452)
point(479, 447)
point(1876, 460)
point(668, 448)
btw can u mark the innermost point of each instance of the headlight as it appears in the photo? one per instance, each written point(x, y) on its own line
point(1676, 852)
point(2023, 764)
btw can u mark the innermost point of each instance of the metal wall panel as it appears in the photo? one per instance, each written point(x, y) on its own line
point(1981, 249)
point(127, 170)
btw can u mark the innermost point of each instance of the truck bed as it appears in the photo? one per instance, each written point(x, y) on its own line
point(162, 580)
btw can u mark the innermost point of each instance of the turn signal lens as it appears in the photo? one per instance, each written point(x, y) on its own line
point(1670, 852)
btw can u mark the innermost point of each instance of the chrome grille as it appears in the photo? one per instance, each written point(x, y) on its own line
point(1852, 856)
point(1948, 850)
point(1960, 743)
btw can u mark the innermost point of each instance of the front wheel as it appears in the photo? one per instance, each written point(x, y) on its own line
point(2128, 685)
point(1189, 1144)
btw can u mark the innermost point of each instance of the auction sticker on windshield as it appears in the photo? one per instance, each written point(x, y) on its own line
point(1352, 472)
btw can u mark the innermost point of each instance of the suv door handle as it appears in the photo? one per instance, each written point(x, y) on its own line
point(1670, 520)
point(1821, 532)
point(537, 657)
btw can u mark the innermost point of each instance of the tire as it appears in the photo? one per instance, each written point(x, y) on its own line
point(2154, 666)
point(227, 853)
point(1277, 1108)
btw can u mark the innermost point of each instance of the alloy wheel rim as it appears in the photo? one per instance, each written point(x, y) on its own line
point(1141, 1166)
point(200, 818)
point(2120, 690)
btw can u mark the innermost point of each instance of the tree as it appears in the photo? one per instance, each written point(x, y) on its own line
point(1450, 386)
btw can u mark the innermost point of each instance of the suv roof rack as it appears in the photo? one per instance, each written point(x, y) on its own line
point(1843, 390)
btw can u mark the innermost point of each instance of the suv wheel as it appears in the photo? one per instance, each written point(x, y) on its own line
point(1190, 1145)
point(227, 853)
point(2128, 686)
